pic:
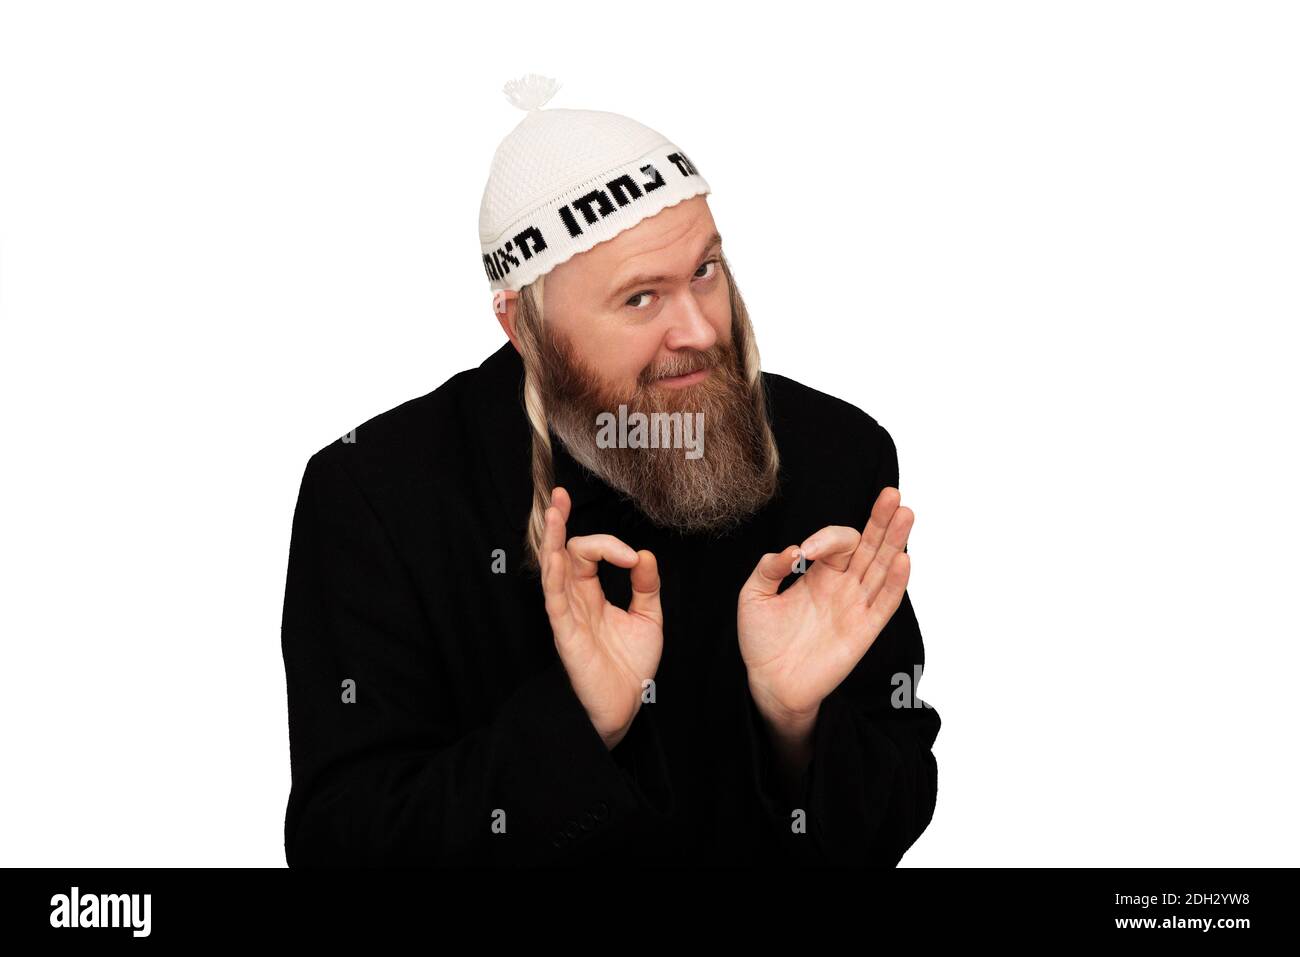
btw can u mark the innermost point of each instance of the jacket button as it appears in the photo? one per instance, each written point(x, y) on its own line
point(600, 811)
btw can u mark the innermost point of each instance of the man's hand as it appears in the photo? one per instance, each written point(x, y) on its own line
point(800, 644)
point(607, 652)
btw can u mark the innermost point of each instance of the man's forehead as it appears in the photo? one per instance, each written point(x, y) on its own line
point(660, 247)
point(663, 231)
point(660, 255)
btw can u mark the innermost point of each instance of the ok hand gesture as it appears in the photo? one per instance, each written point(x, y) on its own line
point(607, 652)
point(800, 644)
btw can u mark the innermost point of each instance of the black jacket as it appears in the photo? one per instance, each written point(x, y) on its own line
point(463, 714)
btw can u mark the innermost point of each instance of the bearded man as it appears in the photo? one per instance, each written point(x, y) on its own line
point(511, 640)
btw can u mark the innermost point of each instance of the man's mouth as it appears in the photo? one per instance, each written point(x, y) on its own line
point(682, 381)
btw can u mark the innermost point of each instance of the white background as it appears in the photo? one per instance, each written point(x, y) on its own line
point(1052, 247)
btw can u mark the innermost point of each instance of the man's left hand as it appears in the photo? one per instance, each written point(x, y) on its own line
point(800, 644)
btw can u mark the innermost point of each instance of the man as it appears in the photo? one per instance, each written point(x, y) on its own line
point(615, 595)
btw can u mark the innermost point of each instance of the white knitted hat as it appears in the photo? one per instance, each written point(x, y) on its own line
point(564, 180)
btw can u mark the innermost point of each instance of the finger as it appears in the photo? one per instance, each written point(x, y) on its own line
point(832, 546)
point(891, 595)
point(588, 551)
point(882, 512)
point(900, 526)
point(555, 567)
point(553, 538)
point(560, 499)
point(771, 570)
point(645, 587)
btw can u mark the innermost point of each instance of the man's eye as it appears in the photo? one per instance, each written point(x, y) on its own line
point(712, 262)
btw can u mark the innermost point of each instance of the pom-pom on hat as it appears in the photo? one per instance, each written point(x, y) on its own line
point(564, 180)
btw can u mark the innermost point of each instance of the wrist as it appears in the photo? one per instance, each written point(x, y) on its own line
point(785, 723)
point(612, 738)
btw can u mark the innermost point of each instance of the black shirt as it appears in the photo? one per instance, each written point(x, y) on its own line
point(431, 721)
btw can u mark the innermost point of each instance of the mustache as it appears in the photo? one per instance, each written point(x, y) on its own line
point(684, 363)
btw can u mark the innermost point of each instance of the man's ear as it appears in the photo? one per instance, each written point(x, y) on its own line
point(505, 303)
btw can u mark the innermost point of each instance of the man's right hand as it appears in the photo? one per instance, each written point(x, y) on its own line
point(607, 652)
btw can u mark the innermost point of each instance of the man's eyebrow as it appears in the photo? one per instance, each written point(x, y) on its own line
point(714, 241)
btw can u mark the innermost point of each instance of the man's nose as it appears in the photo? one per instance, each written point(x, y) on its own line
point(690, 328)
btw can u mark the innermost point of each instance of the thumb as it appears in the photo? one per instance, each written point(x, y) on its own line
point(770, 571)
point(645, 588)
